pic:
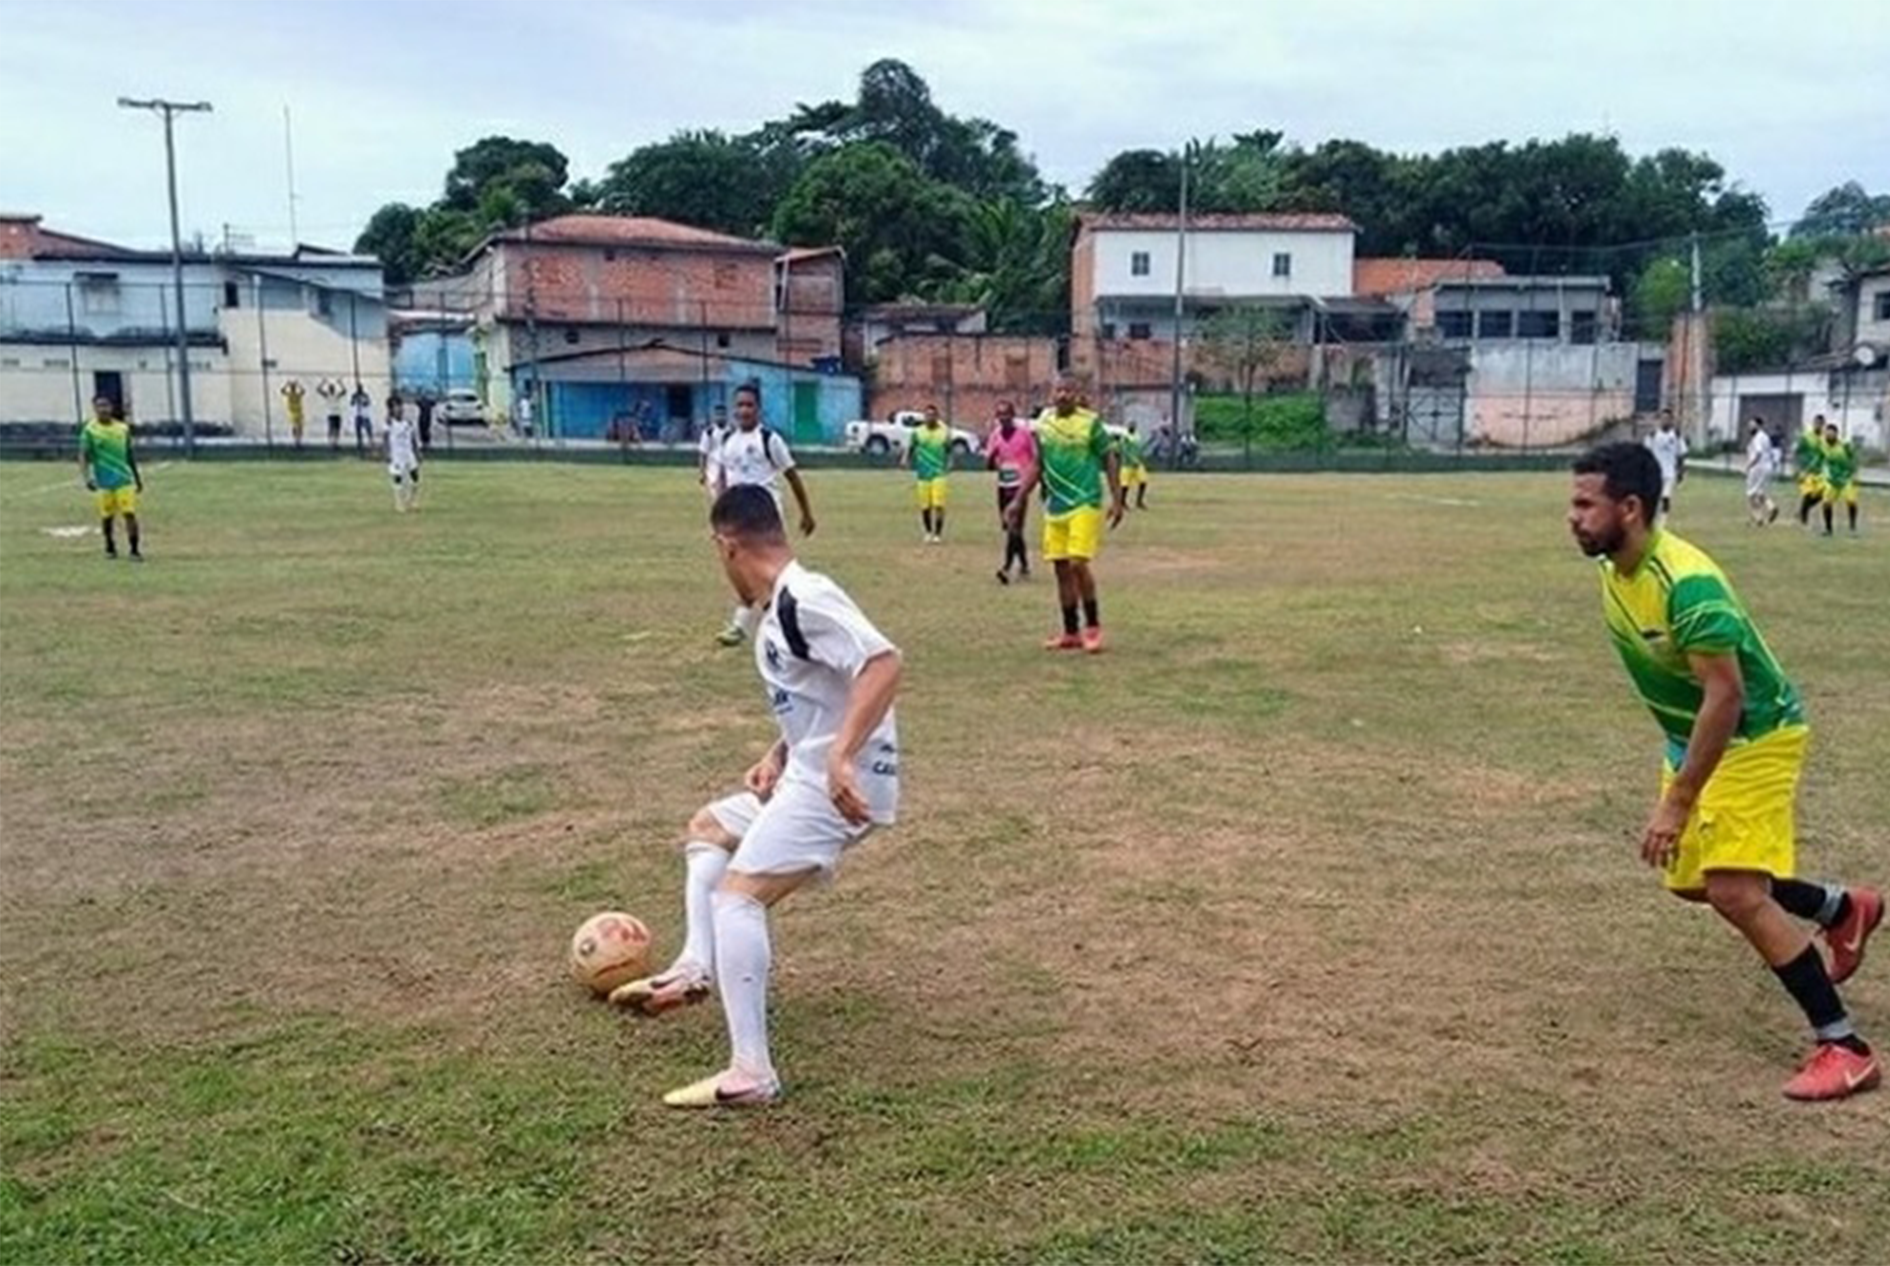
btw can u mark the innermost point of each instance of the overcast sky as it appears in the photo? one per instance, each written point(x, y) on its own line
point(1791, 97)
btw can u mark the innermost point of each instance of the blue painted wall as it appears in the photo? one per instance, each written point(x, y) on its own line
point(433, 361)
point(585, 410)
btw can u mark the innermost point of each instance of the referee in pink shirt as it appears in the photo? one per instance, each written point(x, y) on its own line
point(1011, 450)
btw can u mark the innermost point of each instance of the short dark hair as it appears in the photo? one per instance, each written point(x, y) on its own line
point(1627, 470)
point(747, 512)
point(750, 387)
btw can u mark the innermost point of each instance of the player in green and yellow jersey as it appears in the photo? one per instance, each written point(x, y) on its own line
point(1808, 458)
point(1735, 731)
point(1134, 466)
point(1077, 464)
point(929, 454)
point(1840, 477)
point(110, 471)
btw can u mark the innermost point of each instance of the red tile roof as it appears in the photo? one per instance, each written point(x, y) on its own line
point(1374, 278)
point(1282, 222)
point(630, 230)
point(21, 237)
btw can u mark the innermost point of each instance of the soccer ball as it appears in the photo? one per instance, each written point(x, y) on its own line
point(608, 950)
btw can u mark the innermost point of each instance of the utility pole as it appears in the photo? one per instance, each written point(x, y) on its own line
point(169, 110)
point(1181, 273)
point(1697, 370)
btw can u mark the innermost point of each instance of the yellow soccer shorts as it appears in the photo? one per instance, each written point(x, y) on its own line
point(116, 501)
point(1076, 534)
point(930, 493)
point(1134, 476)
point(1744, 818)
point(1811, 485)
point(1847, 494)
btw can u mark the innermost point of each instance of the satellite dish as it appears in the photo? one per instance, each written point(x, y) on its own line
point(1865, 355)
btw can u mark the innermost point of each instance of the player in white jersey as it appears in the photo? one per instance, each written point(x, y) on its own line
point(831, 778)
point(1762, 459)
point(1669, 448)
point(752, 454)
point(403, 461)
point(712, 436)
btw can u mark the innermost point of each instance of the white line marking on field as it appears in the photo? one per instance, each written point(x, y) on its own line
point(1436, 501)
point(69, 484)
point(67, 533)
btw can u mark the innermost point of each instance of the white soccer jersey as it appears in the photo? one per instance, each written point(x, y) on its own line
point(752, 457)
point(402, 457)
point(712, 437)
point(1668, 448)
point(1761, 462)
point(813, 641)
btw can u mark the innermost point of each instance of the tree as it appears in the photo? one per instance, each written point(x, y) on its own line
point(701, 178)
point(1245, 342)
point(1663, 291)
point(1137, 181)
point(390, 237)
point(1017, 266)
point(534, 172)
point(1844, 211)
point(903, 233)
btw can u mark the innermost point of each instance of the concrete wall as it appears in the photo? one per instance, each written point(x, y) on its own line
point(1221, 263)
point(285, 338)
point(39, 384)
point(586, 409)
point(1869, 328)
point(1529, 394)
point(1859, 402)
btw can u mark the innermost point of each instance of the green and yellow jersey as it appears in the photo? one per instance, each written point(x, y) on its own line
point(106, 449)
point(931, 449)
point(1678, 602)
point(1808, 454)
point(1072, 451)
point(1129, 449)
point(1840, 464)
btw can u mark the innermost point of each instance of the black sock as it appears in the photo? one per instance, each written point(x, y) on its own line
point(925, 517)
point(1807, 901)
point(1092, 614)
point(1069, 621)
point(1804, 509)
point(1023, 554)
point(1852, 510)
point(111, 542)
point(1827, 520)
point(1809, 984)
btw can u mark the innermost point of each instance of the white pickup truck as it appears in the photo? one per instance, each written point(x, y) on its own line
point(891, 437)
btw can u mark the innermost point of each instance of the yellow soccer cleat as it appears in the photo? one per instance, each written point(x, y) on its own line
point(725, 1090)
point(654, 995)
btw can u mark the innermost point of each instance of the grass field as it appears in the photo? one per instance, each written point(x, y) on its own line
point(1305, 924)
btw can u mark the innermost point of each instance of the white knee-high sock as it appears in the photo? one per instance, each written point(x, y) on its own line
point(743, 956)
point(703, 866)
point(746, 618)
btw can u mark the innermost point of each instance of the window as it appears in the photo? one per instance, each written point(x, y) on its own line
point(721, 338)
point(1138, 264)
point(1538, 325)
point(232, 295)
point(610, 255)
point(1581, 327)
point(324, 303)
point(1453, 325)
point(98, 294)
point(1882, 308)
point(1282, 264)
point(1500, 323)
point(1109, 329)
point(1139, 330)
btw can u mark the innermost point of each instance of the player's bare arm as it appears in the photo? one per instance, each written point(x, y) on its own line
point(1725, 692)
point(801, 499)
point(766, 772)
point(870, 698)
point(1112, 472)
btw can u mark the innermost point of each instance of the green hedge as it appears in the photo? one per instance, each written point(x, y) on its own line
point(1293, 422)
